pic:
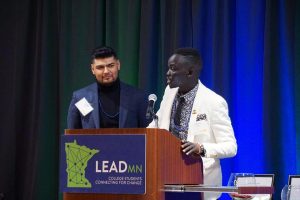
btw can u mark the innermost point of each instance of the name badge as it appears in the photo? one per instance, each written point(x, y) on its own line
point(84, 106)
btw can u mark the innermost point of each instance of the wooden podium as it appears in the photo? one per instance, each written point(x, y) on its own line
point(165, 164)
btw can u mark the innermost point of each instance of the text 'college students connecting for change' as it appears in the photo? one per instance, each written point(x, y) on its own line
point(196, 115)
point(107, 103)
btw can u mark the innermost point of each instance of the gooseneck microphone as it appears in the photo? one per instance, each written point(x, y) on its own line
point(150, 109)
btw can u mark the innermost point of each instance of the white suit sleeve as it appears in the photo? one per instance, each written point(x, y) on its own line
point(220, 123)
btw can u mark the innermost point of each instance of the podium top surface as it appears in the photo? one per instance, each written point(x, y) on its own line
point(113, 130)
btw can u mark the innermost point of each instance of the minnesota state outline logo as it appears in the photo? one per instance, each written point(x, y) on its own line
point(77, 158)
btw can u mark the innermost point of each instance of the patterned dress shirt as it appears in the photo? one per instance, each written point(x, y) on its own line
point(181, 130)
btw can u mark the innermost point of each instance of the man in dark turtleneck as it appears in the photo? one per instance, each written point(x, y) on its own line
point(108, 103)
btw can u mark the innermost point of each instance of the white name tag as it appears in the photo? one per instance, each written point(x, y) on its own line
point(84, 106)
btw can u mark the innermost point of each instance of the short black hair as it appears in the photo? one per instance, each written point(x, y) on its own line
point(103, 52)
point(193, 56)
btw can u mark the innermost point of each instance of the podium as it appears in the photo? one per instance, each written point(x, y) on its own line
point(165, 164)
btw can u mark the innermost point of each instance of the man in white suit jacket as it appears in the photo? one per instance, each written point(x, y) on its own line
point(208, 129)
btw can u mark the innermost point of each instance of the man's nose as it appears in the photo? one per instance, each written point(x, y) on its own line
point(106, 69)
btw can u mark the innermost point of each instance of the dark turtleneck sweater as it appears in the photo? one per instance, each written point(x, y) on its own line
point(109, 103)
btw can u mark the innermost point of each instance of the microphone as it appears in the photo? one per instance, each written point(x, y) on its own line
point(150, 109)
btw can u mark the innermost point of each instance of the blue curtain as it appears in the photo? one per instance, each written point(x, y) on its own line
point(251, 56)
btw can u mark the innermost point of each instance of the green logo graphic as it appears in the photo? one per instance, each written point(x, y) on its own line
point(77, 158)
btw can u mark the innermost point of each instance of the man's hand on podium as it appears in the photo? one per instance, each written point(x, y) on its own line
point(190, 148)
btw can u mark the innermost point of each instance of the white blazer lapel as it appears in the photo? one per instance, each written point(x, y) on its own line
point(195, 111)
point(166, 108)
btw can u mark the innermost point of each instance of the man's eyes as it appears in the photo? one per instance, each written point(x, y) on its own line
point(103, 66)
point(99, 67)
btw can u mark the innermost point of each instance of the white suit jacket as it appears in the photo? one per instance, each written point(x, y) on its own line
point(209, 125)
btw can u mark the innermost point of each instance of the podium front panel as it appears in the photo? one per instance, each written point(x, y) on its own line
point(165, 164)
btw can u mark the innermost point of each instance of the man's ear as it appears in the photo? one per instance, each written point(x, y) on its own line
point(92, 69)
point(190, 72)
point(119, 65)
